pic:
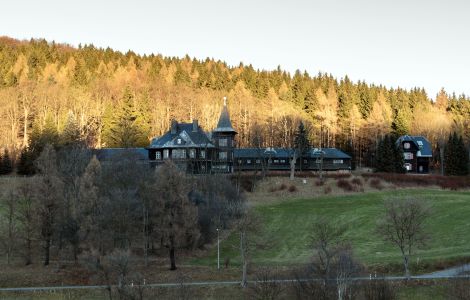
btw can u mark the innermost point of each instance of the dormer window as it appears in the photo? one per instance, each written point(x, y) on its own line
point(406, 145)
point(178, 141)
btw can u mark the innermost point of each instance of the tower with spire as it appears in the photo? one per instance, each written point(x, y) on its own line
point(223, 137)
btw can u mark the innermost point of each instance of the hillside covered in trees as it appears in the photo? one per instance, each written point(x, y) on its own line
point(99, 96)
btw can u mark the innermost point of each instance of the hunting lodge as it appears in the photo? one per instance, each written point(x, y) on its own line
point(196, 151)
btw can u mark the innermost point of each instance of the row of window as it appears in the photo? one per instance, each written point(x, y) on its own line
point(283, 161)
point(179, 154)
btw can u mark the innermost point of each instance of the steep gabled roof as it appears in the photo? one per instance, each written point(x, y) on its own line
point(331, 153)
point(189, 138)
point(224, 124)
point(422, 144)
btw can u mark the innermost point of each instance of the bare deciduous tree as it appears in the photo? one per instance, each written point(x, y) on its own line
point(49, 194)
point(267, 285)
point(179, 217)
point(404, 225)
point(9, 222)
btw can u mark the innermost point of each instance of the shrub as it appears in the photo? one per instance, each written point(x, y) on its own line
point(292, 188)
point(378, 289)
point(345, 185)
point(283, 187)
point(319, 182)
point(357, 181)
point(376, 183)
point(327, 190)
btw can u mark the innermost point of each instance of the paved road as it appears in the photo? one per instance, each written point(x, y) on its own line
point(451, 272)
point(438, 275)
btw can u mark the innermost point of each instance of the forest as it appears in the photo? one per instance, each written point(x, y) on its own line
point(53, 89)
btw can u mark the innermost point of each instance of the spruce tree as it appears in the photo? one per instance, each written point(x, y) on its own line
point(124, 130)
point(450, 158)
point(301, 142)
point(6, 164)
point(389, 157)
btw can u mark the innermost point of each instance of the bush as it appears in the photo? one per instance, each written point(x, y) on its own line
point(292, 188)
point(319, 182)
point(283, 187)
point(376, 183)
point(345, 185)
point(327, 190)
point(357, 181)
point(378, 289)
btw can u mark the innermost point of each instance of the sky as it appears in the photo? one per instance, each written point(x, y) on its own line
point(400, 43)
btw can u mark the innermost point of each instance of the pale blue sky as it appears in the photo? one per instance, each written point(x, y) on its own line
point(395, 43)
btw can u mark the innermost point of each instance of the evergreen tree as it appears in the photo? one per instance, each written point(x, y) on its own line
point(389, 157)
point(71, 134)
point(455, 156)
point(301, 142)
point(25, 165)
point(6, 164)
point(124, 130)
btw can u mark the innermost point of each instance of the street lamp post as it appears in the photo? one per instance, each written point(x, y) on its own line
point(218, 250)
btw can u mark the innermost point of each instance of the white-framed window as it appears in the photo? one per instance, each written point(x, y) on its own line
point(203, 154)
point(283, 161)
point(408, 155)
point(223, 155)
point(408, 167)
point(258, 161)
point(178, 141)
point(406, 145)
point(276, 161)
point(192, 153)
point(248, 161)
point(305, 161)
point(178, 153)
point(166, 153)
point(337, 161)
point(158, 155)
point(223, 142)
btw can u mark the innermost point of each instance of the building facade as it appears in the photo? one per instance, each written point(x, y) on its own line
point(194, 150)
point(198, 152)
point(417, 153)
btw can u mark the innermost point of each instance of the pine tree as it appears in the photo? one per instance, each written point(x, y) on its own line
point(71, 134)
point(124, 130)
point(389, 156)
point(455, 156)
point(6, 164)
point(301, 142)
point(25, 164)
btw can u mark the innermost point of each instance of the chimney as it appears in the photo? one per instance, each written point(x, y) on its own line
point(195, 125)
point(174, 126)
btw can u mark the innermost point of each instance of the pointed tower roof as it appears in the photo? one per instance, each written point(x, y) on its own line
point(224, 125)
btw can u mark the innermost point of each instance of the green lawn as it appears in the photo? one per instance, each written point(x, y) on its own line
point(286, 224)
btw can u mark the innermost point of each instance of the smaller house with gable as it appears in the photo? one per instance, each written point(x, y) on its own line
point(417, 153)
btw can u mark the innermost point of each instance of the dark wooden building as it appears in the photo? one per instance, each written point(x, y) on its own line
point(194, 150)
point(328, 159)
point(417, 153)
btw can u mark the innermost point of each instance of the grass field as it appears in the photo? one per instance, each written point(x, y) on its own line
point(286, 224)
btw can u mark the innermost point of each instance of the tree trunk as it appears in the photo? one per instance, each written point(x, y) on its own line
point(292, 167)
point(28, 260)
point(47, 249)
point(244, 282)
point(405, 263)
point(172, 258)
